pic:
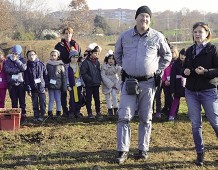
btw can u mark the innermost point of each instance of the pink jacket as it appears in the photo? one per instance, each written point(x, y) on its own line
point(3, 77)
point(167, 71)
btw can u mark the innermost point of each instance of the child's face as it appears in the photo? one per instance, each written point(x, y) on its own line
point(32, 56)
point(111, 60)
point(182, 57)
point(54, 56)
point(74, 59)
point(95, 54)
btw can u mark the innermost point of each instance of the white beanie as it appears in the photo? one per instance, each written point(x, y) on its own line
point(92, 46)
point(110, 52)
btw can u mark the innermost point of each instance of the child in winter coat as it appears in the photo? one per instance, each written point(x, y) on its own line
point(177, 84)
point(36, 81)
point(91, 75)
point(110, 73)
point(74, 84)
point(3, 80)
point(166, 82)
point(57, 82)
point(15, 66)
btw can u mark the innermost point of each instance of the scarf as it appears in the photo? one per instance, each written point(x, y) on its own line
point(74, 47)
point(76, 75)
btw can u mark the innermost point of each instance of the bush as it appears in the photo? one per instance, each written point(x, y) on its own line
point(23, 36)
point(49, 37)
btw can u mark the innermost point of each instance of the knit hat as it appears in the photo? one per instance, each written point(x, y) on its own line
point(143, 9)
point(73, 53)
point(110, 52)
point(92, 46)
point(16, 49)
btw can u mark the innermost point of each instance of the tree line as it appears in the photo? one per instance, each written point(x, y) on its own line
point(31, 19)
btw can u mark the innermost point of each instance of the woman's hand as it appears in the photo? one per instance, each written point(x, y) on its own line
point(200, 70)
point(187, 72)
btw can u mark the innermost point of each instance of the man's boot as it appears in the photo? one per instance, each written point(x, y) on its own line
point(200, 159)
point(115, 111)
point(110, 112)
point(122, 157)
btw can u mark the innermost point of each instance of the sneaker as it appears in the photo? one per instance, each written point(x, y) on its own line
point(171, 118)
point(122, 157)
point(142, 155)
point(90, 116)
point(78, 115)
point(158, 115)
point(23, 120)
point(200, 159)
point(40, 119)
point(99, 116)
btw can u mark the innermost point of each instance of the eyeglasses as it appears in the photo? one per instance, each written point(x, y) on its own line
point(14, 53)
point(75, 56)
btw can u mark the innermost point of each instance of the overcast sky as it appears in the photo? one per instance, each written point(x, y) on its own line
point(155, 5)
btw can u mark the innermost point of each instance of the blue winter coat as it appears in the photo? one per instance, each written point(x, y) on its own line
point(15, 70)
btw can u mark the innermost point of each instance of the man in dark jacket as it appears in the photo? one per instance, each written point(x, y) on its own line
point(64, 47)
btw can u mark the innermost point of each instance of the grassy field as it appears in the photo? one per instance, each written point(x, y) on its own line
point(81, 144)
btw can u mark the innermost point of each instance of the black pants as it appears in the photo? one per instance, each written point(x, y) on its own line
point(39, 104)
point(92, 91)
point(17, 93)
point(64, 102)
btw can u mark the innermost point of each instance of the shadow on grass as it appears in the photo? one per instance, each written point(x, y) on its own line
point(105, 157)
point(182, 117)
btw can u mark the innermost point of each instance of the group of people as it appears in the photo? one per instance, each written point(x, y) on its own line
point(152, 61)
point(66, 70)
point(146, 61)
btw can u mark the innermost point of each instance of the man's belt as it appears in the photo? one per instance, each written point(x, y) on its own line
point(141, 78)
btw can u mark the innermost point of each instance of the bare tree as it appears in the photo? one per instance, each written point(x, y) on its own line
point(79, 17)
point(6, 16)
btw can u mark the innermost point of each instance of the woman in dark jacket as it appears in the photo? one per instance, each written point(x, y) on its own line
point(201, 70)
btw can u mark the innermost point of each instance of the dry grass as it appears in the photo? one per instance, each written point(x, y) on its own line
point(81, 144)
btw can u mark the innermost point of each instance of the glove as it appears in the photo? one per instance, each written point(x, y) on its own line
point(158, 78)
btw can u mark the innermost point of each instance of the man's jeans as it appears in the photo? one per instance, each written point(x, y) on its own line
point(209, 100)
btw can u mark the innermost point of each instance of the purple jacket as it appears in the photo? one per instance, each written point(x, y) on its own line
point(3, 77)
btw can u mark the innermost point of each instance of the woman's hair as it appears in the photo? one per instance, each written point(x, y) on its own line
point(110, 56)
point(29, 52)
point(67, 29)
point(205, 26)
